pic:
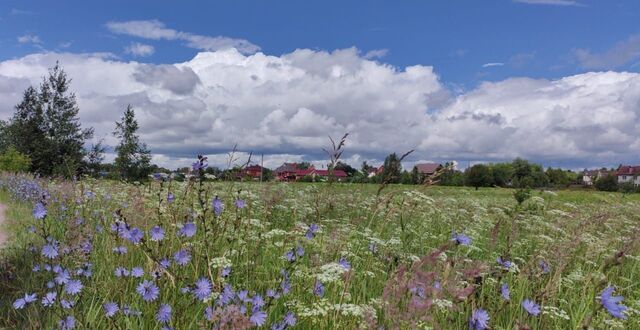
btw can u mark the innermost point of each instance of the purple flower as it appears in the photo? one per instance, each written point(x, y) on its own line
point(148, 290)
point(612, 303)
point(226, 271)
point(318, 289)
point(39, 211)
point(208, 313)
point(313, 228)
point(290, 319)
point(290, 256)
point(170, 198)
point(137, 272)
point(300, 251)
point(218, 206)
point(67, 323)
point(202, 289)
point(50, 250)
point(258, 318)
point(121, 272)
point(135, 235)
point(344, 263)
point(182, 257)
point(66, 304)
point(188, 229)
point(531, 307)
point(120, 249)
point(479, 319)
point(227, 295)
point(504, 291)
point(20, 303)
point(156, 233)
point(49, 299)
point(165, 263)
point(545, 267)
point(257, 301)
point(126, 310)
point(504, 263)
point(240, 203)
point(461, 239)
point(73, 287)
point(164, 313)
point(110, 309)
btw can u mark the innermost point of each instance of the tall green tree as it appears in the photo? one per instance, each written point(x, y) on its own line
point(392, 169)
point(95, 157)
point(133, 158)
point(479, 175)
point(45, 126)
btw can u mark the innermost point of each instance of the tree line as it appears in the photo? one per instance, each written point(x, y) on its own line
point(45, 136)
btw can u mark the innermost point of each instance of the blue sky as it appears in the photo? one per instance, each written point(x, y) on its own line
point(456, 37)
point(554, 81)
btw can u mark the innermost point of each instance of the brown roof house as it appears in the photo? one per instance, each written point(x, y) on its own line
point(628, 173)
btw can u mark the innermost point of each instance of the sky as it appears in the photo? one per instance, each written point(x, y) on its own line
point(553, 81)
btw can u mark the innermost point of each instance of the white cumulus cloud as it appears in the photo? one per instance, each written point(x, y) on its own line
point(138, 49)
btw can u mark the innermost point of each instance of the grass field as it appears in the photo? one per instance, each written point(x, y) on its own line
point(316, 256)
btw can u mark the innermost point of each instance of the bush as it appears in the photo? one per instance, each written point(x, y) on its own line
point(14, 161)
point(607, 183)
point(522, 195)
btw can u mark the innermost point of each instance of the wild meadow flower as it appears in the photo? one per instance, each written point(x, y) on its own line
point(461, 238)
point(217, 205)
point(110, 309)
point(344, 263)
point(313, 228)
point(531, 307)
point(39, 211)
point(544, 267)
point(165, 263)
point(121, 272)
point(290, 255)
point(240, 203)
point(257, 301)
point(504, 291)
point(479, 319)
point(170, 198)
point(504, 263)
point(188, 230)
point(127, 311)
point(137, 272)
point(202, 289)
point(612, 303)
point(290, 319)
point(226, 296)
point(156, 233)
point(226, 271)
point(49, 299)
point(148, 290)
point(20, 303)
point(50, 250)
point(164, 313)
point(67, 323)
point(73, 287)
point(300, 251)
point(258, 318)
point(120, 249)
point(182, 257)
point(318, 289)
point(135, 235)
point(67, 304)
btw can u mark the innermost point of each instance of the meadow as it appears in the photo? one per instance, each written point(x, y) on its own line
point(181, 255)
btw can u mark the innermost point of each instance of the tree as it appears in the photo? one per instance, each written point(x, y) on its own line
point(14, 161)
point(502, 174)
point(95, 157)
point(346, 168)
point(392, 169)
point(416, 177)
point(607, 183)
point(133, 158)
point(479, 175)
point(46, 128)
point(365, 168)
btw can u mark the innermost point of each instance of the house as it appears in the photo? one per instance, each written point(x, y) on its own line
point(291, 172)
point(253, 171)
point(428, 169)
point(628, 173)
point(373, 171)
point(589, 177)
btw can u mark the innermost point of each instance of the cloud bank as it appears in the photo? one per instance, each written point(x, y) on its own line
point(286, 106)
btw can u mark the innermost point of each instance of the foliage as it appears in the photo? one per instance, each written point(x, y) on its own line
point(479, 175)
point(607, 183)
point(522, 195)
point(46, 128)
point(392, 169)
point(95, 157)
point(133, 158)
point(12, 160)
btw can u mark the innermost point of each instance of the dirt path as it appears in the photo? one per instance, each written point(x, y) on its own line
point(3, 236)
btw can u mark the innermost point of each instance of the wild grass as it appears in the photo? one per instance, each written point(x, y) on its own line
point(405, 270)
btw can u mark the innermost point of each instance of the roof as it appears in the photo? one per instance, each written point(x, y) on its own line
point(287, 167)
point(628, 170)
point(254, 168)
point(311, 171)
point(428, 168)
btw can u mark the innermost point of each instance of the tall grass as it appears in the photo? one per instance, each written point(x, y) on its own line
point(384, 260)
